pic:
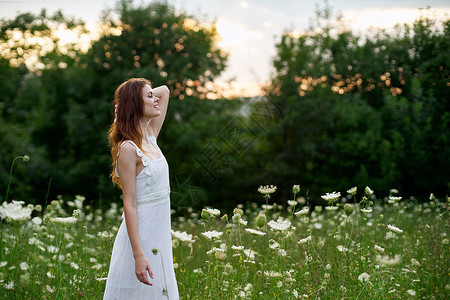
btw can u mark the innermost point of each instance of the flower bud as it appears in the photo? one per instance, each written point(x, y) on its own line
point(225, 217)
point(238, 211)
point(236, 218)
point(296, 189)
point(205, 214)
point(261, 220)
point(77, 213)
point(26, 158)
point(348, 208)
point(220, 255)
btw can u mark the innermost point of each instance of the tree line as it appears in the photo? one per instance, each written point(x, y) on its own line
point(341, 110)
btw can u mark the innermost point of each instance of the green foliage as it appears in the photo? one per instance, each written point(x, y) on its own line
point(365, 110)
point(66, 106)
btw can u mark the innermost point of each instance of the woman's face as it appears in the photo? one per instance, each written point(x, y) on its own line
point(151, 108)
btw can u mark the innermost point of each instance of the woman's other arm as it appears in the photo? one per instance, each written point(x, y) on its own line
point(163, 93)
point(127, 172)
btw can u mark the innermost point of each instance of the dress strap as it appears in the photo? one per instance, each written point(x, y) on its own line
point(145, 160)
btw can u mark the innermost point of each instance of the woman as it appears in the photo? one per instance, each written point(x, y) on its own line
point(141, 262)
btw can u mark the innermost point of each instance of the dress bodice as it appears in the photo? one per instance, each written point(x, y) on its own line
point(152, 183)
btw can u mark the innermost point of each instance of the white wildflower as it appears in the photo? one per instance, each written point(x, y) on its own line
point(394, 199)
point(280, 224)
point(266, 206)
point(393, 228)
point(352, 190)
point(368, 191)
point(183, 236)
point(105, 234)
point(250, 253)
point(341, 248)
point(49, 288)
point(305, 240)
point(67, 220)
point(390, 235)
point(331, 207)
point(243, 222)
point(292, 202)
point(364, 277)
point(220, 255)
point(378, 248)
point(15, 211)
point(77, 213)
point(411, 292)
point(36, 220)
point(331, 197)
point(237, 248)
point(272, 274)
point(74, 265)
point(273, 245)
point(50, 275)
point(267, 189)
point(52, 249)
point(212, 234)
point(213, 211)
point(415, 262)
point(24, 266)
point(366, 210)
point(302, 212)
point(10, 285)
point(317, 225)
point(257, 232)
point(386, 260)
point(3, 263)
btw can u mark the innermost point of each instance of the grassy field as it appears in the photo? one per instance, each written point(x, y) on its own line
point(357, 247)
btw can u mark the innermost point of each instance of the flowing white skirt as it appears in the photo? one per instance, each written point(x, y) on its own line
point(154, 232)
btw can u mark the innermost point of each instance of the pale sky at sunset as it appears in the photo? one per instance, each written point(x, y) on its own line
point(251, 28)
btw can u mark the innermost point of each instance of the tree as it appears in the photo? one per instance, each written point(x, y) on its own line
point(362, 110)
point(65, 97)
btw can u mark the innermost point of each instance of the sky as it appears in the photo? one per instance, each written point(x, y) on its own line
point(251, 28)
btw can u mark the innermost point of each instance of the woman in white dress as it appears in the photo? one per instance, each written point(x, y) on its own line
point(141, 262)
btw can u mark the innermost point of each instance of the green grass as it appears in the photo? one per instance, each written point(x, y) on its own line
point(51, 260)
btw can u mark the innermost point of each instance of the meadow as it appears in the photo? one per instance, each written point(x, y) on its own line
point(358, 246)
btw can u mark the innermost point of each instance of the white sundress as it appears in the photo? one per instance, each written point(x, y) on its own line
point(153, 213)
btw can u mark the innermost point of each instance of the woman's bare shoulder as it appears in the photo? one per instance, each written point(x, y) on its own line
point(128, 150)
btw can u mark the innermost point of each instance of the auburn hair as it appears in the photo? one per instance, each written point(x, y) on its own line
point(129, 112)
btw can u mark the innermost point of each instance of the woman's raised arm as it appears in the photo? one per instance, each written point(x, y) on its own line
point(163, 93)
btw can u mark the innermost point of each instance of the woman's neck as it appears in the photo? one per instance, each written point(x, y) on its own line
point(144, 129)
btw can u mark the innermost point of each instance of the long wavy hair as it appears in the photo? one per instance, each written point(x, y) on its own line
point(130, 110)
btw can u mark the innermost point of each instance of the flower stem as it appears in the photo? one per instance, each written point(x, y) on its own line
point(10, 177)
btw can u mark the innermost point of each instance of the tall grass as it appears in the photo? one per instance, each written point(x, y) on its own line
point(356, 248)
